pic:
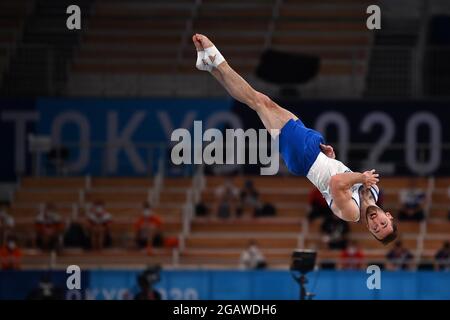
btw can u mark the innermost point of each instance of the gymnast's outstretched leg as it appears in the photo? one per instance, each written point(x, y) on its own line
point(209, 59)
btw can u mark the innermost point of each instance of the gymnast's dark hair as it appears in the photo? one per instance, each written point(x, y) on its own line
point(390, 237)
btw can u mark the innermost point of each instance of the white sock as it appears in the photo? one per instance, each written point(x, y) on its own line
point(209, 58)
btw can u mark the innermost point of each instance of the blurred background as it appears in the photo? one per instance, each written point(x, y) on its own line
point(86, 175)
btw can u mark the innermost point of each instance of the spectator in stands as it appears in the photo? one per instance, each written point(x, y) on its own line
point(10, 254)
point(399, 258)
point(201, 209)
point(76, 235)
point(6, 224)
point(99, 221)
point(249, 199)
point(448, 192)
point(49, 228)
point(412, 202)
point(442, 257)
point(319, 206)
point(352, 257)
point(335, 232)
point(148, 228)
point(267, 210)
point(252, 258)
point(226, 197)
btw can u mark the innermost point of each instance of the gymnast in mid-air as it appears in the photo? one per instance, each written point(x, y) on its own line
point(352, 196)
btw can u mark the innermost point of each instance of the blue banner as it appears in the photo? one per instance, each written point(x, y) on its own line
point(122, 136)
point(237, 285)
point(18, 119)
point(21, 285)
point(394, 137)
point(129, 136)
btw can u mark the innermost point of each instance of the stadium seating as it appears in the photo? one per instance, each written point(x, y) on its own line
point(210, 240)
point(123, 198)
point(12, 17)
point(220, 242)
point(110, 257)
point(126, 32)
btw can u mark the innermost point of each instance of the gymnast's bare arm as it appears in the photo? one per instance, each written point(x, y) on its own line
point(340, 187)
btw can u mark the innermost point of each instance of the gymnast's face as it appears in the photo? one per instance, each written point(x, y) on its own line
point(379, 222)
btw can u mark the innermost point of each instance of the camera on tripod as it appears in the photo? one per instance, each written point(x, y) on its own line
point(150, 276)
point(303, 261)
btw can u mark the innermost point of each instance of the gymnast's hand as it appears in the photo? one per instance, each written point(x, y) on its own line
point(370, 178)
point(328, 151)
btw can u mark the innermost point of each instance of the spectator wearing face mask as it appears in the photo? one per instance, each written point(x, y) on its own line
point(334, 232)
point(148, 228)
point(249, 199)
point(412, 201)
point(10, 255)
point(252, 258)
point(399, 257)
point(99, 221)
point(318, 204)
point(76, 236)
point(226, 199)
point(352, 258)
point(49, 228)
point(442, 257)
point(6, 224)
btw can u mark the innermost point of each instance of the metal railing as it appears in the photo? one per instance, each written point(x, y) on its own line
point(194, 192)
point(404, 79)
point(398, 72)
point(39, 70)
point(399, 69)
point(101, 159)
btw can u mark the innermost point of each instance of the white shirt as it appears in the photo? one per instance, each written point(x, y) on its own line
point(99, 217)
point(412, 197)
point(48, 217)
point(251, 257)
point(321, 172)
point(6, 219)
point(227, 188)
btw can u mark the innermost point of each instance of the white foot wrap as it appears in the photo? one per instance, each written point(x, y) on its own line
point(208, 59)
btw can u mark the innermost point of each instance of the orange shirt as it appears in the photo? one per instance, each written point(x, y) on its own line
point(10, 259)
point(152, 220)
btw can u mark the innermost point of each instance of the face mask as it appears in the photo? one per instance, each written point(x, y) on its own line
point(11, 245)
point(99, 209)
point(147, 212)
